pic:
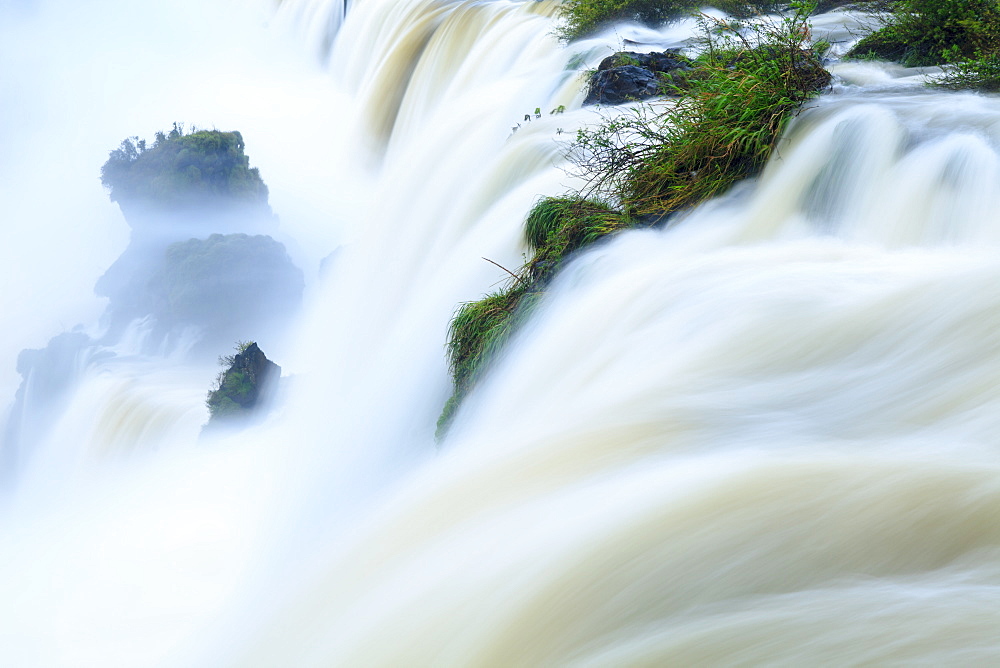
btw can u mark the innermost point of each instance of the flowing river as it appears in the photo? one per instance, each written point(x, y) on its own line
point(767, 434)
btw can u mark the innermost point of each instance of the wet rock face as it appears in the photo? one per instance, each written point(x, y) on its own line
point(629, 76)
point(245, 386)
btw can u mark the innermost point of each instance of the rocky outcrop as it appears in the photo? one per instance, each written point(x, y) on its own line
point(629, 76)
point(202, 170)
point(243, 388)
point(197, 259)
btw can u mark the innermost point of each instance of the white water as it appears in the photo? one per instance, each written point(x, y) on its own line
point(765, 435)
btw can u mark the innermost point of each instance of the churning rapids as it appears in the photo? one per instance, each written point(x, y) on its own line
point(767, 434)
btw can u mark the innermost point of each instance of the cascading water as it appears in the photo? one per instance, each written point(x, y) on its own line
point(763, 435)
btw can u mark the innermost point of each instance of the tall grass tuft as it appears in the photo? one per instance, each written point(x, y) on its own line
point(661, 158)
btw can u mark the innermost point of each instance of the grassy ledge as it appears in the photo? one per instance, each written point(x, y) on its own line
point(645, 165)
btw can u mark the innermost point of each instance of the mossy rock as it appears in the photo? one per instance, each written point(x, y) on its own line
point(885, 44)
point(231, 278)
point(244, 386)
point(628, 76)
point(206, 168)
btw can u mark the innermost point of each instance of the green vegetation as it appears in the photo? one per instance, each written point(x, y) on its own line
point(657, 160)
point(477, 333)
point(559, 226)
point(178, 170)
point(982, 73)
point(245, 377)
point(555, 228)
point(584, 17)
point(223, 279)
point(645, 165)
point(935, 32)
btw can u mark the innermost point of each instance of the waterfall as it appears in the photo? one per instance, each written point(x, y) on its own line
point(763, 434)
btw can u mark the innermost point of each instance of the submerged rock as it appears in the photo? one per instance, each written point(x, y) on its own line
point(629, 76)
point(244, 388)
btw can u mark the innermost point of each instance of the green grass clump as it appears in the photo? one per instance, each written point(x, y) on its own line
point(662, 158)
point(934, 32)
point(654, 161)
point(558, 226)
point(477, 333)
point(178, 170)
point(585, 17)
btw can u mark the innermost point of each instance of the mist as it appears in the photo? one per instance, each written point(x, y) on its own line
point(763, 433)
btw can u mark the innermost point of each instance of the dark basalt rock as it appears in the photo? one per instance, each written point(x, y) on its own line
point(657, 61)
point(245, 386)
point(629, 76)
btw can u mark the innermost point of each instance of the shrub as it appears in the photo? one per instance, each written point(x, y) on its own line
point(934, 32)
point(981, 73)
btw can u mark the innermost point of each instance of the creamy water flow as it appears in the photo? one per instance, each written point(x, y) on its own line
point(763, 435)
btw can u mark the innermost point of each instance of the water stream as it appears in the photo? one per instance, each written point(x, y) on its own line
point(765, 434)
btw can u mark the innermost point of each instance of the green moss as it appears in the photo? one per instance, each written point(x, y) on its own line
point(178, 170)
